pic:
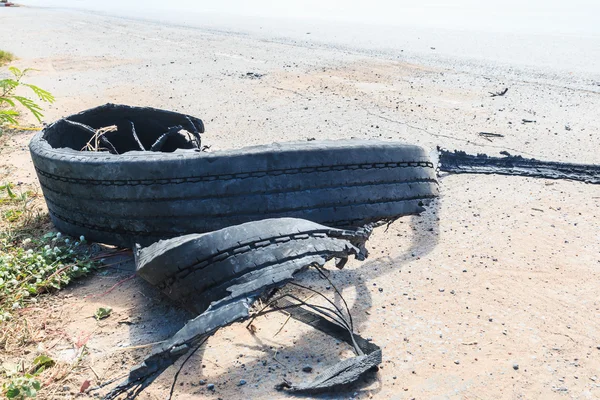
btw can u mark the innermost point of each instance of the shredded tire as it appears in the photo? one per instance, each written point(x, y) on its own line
point(459, 162)
point(219, 275)
point(198, 269)
point(143, 196)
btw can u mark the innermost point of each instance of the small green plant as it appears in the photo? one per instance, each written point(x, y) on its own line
point(103, 312)
point(41, 363)
point(38, 265)
point(19, 204)
point(9, 98)
point(5, 57)
point(24, 384)
point(22, 387)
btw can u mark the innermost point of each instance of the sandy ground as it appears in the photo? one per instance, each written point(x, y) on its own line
point(500, 272)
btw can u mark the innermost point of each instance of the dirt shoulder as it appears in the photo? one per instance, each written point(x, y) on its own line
point(491, 293)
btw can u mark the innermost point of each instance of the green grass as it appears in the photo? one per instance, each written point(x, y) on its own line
point(5, 57)
point(38, 265)
point(32, 260)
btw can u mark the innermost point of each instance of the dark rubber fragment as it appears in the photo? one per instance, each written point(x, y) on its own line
point(197, 269)
point(459, 162)
point(344, 372)
point(143, 196)
point(137, 139)
point(222, 284)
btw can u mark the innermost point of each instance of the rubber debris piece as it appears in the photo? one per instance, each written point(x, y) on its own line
point(219, 275)
point(162, 185)
point(344, 372)
point(459, 162)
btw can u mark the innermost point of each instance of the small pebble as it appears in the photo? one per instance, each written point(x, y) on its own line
point(456, 362)
point(202, 382)
point(307, 368)
point(242, 382)
point(442, 290)
point(515, 366)
point(210, 386)
point(380, 289)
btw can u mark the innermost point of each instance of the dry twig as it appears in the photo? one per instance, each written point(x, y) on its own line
point(94, 143)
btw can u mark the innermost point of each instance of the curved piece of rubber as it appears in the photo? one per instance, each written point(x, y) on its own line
point(219, 275)
point(344, 372)
point(196, 270)
point(143, 196)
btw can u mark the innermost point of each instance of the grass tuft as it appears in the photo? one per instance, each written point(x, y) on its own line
point(33, 259)
point(6, 57)
point(39, 265)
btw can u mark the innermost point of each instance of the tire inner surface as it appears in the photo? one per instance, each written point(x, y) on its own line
point(148, 124)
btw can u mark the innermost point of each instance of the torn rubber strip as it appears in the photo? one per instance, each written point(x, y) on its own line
point(459, 162)
point(344, 372)
point(219, 275)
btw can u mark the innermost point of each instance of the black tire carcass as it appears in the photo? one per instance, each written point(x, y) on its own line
point(154, 182)
point(220, 275)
